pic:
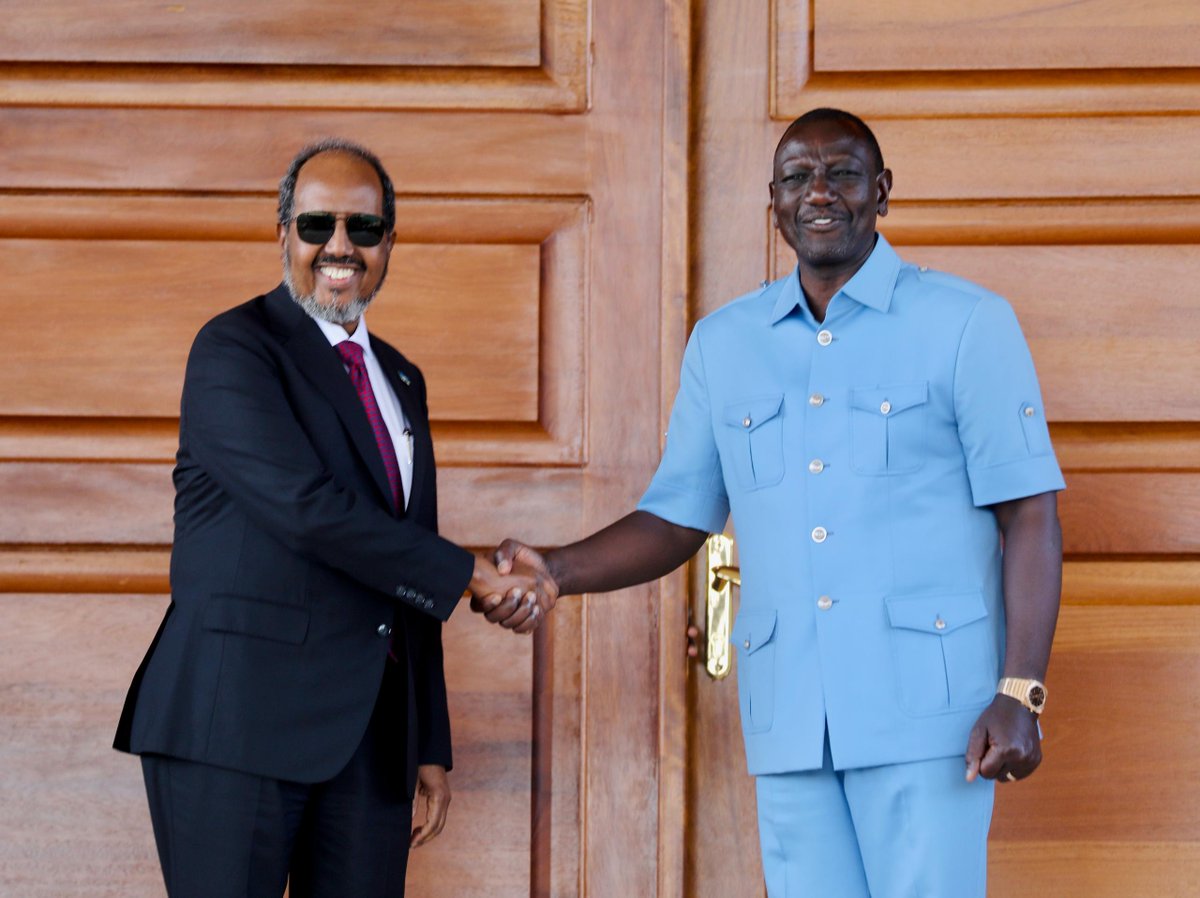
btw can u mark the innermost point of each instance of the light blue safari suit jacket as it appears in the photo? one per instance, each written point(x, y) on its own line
point(858, 457)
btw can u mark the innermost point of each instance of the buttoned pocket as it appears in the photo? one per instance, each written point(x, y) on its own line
point(256, 617)
point(754, 428)
point(944, 651)
point(887, 428)
point(753, 638)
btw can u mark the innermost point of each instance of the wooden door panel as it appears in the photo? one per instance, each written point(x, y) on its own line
point(1028, 162)
point(137, 194)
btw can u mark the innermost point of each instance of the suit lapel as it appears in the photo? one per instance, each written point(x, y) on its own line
point(402, 385)
point(320, 363)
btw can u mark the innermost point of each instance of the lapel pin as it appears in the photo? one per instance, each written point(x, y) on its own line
point(404, 378)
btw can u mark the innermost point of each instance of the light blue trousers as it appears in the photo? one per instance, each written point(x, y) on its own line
point(914, 830)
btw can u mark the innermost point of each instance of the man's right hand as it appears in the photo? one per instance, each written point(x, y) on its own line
point(517, 596)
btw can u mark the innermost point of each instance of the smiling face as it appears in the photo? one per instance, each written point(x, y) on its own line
point(336, 280)
point(826, 193)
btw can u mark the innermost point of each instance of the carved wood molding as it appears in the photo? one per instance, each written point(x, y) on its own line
point(557, 82)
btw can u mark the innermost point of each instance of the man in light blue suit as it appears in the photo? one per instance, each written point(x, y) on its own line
point(876, 431)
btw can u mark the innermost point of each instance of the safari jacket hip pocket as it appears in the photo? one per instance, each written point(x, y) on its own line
point(887, 428)
point(754, 435)
point(754, 639)
point(943, 650)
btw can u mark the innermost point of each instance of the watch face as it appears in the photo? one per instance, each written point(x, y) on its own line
point(1037, 696)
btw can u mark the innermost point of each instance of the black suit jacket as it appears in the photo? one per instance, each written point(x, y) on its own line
point(290, 574)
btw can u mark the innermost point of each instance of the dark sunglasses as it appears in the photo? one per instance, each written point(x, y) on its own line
point(362, 229)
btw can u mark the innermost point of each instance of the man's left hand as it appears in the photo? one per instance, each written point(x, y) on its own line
point(432, 783)
point(1004, 741)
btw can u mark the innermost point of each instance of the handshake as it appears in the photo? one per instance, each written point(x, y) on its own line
point(515, 589)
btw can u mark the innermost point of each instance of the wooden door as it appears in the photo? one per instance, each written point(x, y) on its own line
point(1048, 152)
point(140, 151)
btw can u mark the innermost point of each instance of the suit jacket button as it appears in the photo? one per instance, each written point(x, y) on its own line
point(399, 592)
point(383, 630)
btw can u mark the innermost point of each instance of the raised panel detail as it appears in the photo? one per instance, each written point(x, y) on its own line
point(487, 296)
point(102, 507)
point(967, 35)
point(66, 663)
point(1130, 513)
point(1101, 355)
point(415, 54)
point(1039, 58)
point(1122, 707)
point(283, 32)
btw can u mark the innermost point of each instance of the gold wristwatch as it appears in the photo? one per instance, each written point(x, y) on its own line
point(1030, 693)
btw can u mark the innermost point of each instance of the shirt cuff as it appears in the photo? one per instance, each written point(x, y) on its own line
point(1015, 480)
point(699, 511)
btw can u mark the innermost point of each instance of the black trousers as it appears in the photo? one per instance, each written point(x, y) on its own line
point(226, 834)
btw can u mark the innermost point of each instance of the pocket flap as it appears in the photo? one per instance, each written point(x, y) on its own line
point(937, 614)
point(255, 617)
point(895, 398)
point(748, 414)
point(752, 630)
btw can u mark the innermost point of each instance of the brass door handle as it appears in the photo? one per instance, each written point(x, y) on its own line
point(719, 574)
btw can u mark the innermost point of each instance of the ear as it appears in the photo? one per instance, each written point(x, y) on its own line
point(281, 232)
point(883, 184)
point(771, 194)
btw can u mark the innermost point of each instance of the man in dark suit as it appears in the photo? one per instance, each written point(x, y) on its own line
point(293, 701)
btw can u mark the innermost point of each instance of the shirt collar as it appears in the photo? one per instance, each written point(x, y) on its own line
point(336, 334)
point(872, 285)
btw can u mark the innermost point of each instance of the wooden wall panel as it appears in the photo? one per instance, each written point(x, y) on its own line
point(463, 271)
point(284, 32)
point(1134, 361)
point(73, 810)
point(195, 150)
point(424, 54)
point(1043, 150)
point(859, 36)
point(432, 296)
point(140, 174)
point(912, 58)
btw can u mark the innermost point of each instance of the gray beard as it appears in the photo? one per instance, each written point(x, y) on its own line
point(334, 311)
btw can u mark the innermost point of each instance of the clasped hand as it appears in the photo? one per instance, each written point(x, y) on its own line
point(516, 591)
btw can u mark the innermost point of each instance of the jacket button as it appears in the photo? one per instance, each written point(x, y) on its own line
point(383, 630)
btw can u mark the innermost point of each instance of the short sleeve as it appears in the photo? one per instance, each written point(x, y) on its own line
point(688, 488)
point(998, 404)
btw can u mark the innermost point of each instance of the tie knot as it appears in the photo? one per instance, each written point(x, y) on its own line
point(351, 353)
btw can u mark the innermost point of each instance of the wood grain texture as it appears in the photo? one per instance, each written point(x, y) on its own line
point(1117, 366)
point(423, 54)
point(51, 148)
point(930, 88)
point(1051, 170)
point(1130, 513)
point(291, 32)
point(432, 298)
point(1122, 708)
point(1094, 869)
point(122, 505)
point(74, 811)
point(1120, 367)
point(860, 36)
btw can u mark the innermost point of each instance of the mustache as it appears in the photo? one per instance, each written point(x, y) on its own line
point(345, 261)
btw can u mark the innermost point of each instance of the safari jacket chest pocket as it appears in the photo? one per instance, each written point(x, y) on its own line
point(754, 431)
point(887, 428)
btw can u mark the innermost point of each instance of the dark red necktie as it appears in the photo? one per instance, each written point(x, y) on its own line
point(352, 355)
